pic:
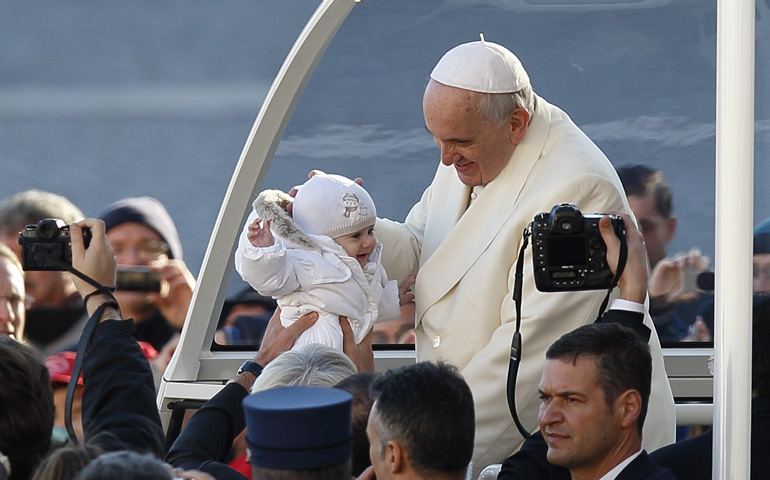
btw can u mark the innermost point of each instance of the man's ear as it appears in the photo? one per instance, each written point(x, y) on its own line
point(395, 457)
point(629, 407)
point(519, 121)
point(671, 224)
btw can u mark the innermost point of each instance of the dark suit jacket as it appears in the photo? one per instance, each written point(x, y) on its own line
point(206, 439)
point(643, 468)
point(691, 459)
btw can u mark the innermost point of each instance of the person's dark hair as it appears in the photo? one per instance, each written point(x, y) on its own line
point(641, 180)
point(27, 412)
point(125, 465)
point(65, 463)
point(623, 359)
point(760, 362)
point(341, 471)
point(428, 408)
point(359, 385)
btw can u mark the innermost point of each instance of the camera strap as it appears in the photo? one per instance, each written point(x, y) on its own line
point(516, 344)
point(85, 337)
point(77, 367)
point(513, 365)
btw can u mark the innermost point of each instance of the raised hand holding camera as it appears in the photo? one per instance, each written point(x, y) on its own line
point(47, 245)
point(569, 252)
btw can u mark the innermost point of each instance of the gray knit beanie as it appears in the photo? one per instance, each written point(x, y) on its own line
point(333, 205)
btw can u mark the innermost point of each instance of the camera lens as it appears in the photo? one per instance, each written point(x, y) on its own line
point(47, 230)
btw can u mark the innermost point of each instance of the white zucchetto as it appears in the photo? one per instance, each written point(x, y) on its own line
point(481, 66)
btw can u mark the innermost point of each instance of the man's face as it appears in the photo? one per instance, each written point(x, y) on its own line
point(577, 424)
point(657, 229)
point(136, 244)
point(12, 297)
point(378, 463)
point(762, 272)
point(478, 149)
point(45, 288)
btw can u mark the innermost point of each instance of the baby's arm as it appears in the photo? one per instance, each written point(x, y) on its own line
point(260, 235)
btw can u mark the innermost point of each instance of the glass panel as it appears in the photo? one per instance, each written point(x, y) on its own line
point(148, 99)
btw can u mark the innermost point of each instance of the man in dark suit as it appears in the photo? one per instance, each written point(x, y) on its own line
point(595, 390)
point(691, 459)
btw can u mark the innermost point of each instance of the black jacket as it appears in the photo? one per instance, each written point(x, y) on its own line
point(206, 439)
point(119, 410)
point(691, 459)
point(530, 461)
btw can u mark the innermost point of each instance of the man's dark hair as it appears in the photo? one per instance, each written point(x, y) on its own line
point(427, 407)
point(27, 408)
point(641, 180)
point(760, 362)
point(622, 358)
point(359, 385)
point(341, 471)
point(125, 465)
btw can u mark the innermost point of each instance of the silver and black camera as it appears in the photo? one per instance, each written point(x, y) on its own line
point(47, 240)
point(568, 250)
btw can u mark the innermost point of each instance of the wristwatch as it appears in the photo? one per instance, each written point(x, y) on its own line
point(251, 367)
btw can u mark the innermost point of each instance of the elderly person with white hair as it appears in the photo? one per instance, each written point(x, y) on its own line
point(206, 440)
point(506, 155)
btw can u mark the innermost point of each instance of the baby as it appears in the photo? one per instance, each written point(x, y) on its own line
point(324, 259)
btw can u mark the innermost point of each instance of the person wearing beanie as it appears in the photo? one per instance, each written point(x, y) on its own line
point(506, 154)
point(762, 257)
point(325, 259)
point(145, 240)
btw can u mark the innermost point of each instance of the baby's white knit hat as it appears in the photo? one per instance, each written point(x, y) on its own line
point(333, 205)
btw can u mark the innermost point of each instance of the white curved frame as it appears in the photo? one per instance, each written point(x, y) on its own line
point(193, 360)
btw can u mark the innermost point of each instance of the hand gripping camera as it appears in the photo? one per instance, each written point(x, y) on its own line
point(42, 244)
point(568, 250)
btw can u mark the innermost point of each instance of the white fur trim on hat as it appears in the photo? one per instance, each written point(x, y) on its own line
point(481, 66)
point(333, 205)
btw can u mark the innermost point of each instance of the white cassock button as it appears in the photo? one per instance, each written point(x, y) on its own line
point(436, 341)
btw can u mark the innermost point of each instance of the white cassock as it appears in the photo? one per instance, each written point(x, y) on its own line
point(466, 255)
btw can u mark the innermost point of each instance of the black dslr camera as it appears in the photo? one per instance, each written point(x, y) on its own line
point(568, 250)
point(49, 238)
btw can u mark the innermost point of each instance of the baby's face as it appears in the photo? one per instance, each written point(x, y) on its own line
point(360, 244)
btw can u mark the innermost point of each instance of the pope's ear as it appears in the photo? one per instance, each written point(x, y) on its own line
point(519, 121)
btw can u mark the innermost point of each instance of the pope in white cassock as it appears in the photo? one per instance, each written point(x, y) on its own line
point(506, 155)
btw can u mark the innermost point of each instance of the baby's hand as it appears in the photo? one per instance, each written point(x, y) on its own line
point(405, 294)
point(260, 235)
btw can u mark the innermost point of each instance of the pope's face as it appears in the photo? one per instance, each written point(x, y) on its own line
point(478, 149)
point(577, 424)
